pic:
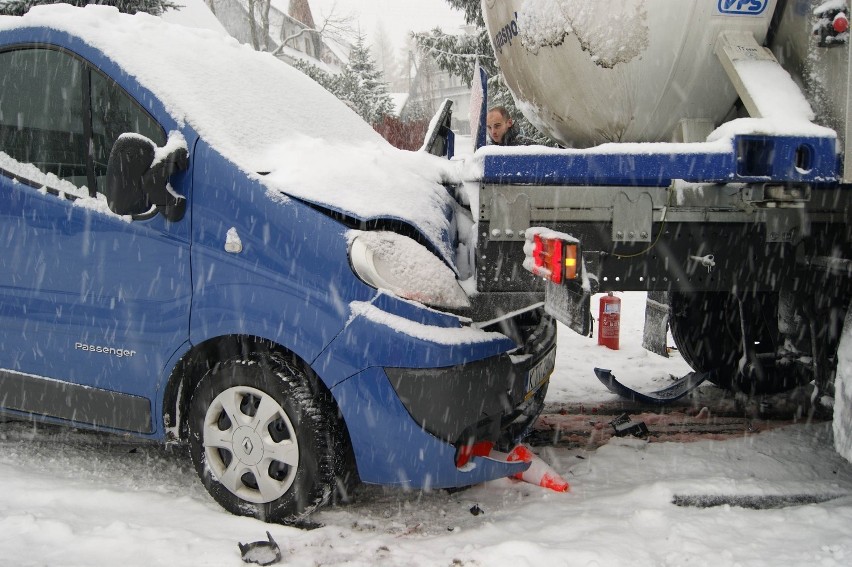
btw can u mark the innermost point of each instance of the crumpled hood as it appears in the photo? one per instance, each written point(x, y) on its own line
point(369, 181)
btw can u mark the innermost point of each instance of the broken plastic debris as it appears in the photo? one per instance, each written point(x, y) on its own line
point(623, 426)
point(261, 552)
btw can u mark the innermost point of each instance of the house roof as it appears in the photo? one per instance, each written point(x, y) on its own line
point(339, 50)
point(288, 53)
point(300, 10)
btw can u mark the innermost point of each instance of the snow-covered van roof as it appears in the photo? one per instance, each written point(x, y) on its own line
point(264, 116)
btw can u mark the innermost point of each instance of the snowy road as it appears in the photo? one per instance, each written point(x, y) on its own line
point(79, 499)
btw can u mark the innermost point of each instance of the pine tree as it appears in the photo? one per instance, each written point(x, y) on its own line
point(154, 7)
point(458, 54)
point(326, 80)
point(366, 83)
point(360, 85)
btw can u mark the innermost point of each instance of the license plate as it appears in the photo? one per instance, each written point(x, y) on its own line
point(540, 373)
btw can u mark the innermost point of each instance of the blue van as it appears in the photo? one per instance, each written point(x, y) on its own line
point(200, 245)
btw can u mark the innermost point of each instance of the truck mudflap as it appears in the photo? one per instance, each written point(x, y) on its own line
point(674, 391)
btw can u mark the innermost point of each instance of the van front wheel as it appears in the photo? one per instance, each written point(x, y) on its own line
point(262, 439)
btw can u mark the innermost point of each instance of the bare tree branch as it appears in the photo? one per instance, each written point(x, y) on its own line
point(333, 27)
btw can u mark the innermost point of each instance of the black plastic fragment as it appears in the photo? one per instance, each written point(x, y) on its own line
point(261, 552)
point(623, 427)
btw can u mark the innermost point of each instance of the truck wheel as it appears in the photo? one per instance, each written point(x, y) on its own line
point(706, 329)
point(262, 439)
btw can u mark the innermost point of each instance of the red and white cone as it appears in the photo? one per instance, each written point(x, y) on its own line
point(539, 473)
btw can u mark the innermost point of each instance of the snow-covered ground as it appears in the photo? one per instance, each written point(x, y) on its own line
point(79, 499)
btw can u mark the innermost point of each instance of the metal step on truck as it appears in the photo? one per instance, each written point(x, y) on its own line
point(704, 160)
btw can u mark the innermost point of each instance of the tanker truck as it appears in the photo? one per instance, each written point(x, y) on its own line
point(704, 159)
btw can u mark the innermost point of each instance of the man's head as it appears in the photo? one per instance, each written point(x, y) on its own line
point(498, 122)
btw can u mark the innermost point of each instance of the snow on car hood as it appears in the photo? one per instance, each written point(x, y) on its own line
point(266, 117)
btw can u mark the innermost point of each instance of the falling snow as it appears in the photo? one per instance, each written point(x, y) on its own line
point(74, 498)
point(82, 499)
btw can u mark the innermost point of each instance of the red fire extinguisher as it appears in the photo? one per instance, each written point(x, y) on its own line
point(609, 321)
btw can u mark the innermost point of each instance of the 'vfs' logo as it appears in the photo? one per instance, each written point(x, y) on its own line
point(743, 7)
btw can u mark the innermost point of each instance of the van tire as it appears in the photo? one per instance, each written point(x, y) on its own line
point(278, 463)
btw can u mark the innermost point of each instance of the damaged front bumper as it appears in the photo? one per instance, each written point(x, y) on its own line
point(473, 405)
point(424, 402)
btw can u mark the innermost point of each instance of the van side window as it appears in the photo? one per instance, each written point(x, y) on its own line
point(42, 112)
point(113, 114)
point(45, 117)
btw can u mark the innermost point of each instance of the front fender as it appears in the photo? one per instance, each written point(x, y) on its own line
point(377, 336)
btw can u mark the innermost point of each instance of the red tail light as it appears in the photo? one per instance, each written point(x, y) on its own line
point(553, 256)
point(548, 255)
point(840, 23)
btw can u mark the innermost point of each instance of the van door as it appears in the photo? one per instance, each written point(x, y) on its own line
point(92, 304)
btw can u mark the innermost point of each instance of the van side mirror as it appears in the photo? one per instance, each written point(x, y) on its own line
point(137, 178)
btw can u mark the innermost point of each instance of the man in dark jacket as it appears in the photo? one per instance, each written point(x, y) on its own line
point(502, 130)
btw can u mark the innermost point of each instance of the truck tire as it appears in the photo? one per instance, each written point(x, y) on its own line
point(706, 329)
point(263, 439)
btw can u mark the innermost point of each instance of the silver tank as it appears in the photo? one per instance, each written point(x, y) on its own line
point(587, 72)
